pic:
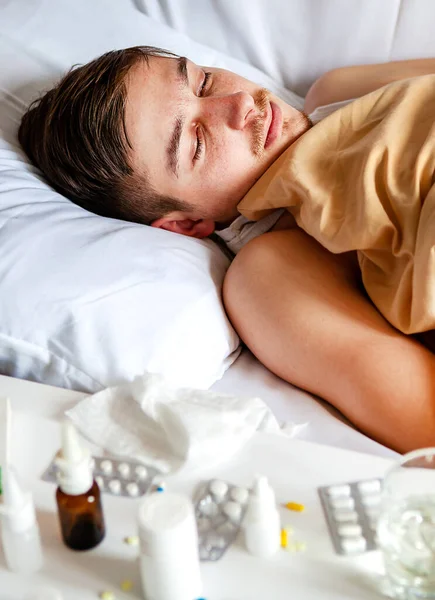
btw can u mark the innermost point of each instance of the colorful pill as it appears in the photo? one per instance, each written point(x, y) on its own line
point(284, 538)
point(107, 595)
point(300, 546)
point(132, 540)
point(295, 506)
point(126, 585)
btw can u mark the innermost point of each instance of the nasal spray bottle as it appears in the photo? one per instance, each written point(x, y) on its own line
point(78, 495)
point(20, 531)
point(262, 526)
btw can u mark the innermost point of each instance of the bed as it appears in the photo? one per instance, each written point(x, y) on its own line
point(53, 323)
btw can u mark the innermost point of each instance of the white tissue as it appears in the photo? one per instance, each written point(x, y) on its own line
point(169, 428)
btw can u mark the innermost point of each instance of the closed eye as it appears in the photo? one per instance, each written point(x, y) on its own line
point(199, 138)
point(204, 84)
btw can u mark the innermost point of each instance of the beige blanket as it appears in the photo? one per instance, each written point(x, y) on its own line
point(362, 179)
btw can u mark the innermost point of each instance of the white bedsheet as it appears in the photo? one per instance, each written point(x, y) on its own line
point(247, 376)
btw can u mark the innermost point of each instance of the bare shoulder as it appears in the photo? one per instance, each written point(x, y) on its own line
point(346, 83)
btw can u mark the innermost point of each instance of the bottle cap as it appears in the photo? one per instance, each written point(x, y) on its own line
point(18, 509)
point(262, 499)
point(75, 474)
point(167, 525)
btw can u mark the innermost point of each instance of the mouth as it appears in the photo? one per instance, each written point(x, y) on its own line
point(274, 125)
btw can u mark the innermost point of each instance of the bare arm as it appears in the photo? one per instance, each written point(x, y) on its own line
point(346, 83)
point(300, 310)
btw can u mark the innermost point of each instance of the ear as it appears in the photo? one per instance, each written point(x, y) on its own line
point(200, 228)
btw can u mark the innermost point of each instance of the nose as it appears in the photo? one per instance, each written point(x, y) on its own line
point(236, 109)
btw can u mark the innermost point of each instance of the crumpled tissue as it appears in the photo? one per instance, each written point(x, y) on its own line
point(170, 429)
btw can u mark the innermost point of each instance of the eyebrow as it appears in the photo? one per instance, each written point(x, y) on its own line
point(173, 148)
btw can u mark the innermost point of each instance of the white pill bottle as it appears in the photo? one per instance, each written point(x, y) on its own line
point(169, 558)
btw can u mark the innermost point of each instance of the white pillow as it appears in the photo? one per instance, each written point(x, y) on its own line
point(88, 302)
point(295, 41)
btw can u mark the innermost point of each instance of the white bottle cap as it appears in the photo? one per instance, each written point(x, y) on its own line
point(167, 522)
point(75, 475)
point(262, 499)
point(18, 509)
point(169, 548)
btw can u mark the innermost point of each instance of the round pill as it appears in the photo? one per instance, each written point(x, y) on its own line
point(218, 488)
point(338, 490)
point(345, 516)
point(372, 500)
point(349, 530)
point(353, 545)
point(100, 481)
point(106, 466)
point(115, 486)
point(132, 488)
point(124, 469)
point(239, 494)
point(343, 502)
point(141, 472)
point(232, 510)
point(208, 507)
point(372, 486)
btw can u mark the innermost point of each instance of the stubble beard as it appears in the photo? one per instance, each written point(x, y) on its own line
point(298, 124)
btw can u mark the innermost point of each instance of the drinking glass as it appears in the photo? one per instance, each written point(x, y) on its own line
point(406, 526)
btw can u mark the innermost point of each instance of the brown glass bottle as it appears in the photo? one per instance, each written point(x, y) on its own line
point(81, 518)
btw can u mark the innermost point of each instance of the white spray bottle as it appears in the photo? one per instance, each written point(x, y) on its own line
point(262, 525)
point(20, 531)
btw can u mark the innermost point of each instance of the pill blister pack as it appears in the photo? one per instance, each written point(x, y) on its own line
point(219, 511)
point(352, 512)
point(118, 477)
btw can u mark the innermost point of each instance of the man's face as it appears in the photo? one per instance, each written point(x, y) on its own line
point(204, 135)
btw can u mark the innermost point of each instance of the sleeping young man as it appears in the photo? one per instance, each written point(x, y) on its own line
point(143, 135)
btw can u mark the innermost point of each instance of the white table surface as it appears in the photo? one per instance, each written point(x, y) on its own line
point(295, 469)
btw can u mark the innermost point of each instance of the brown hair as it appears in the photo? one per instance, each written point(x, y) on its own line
point(76, 135)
